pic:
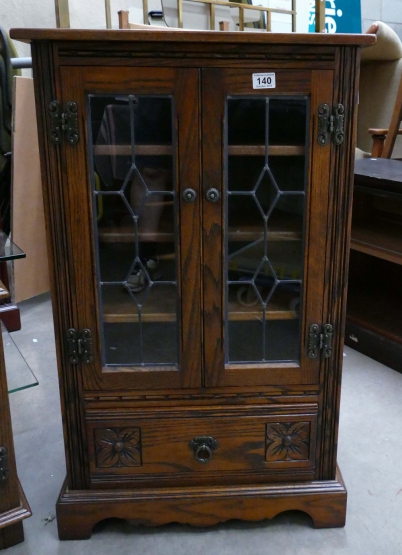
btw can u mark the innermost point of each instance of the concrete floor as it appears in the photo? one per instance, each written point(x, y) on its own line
point(370, 457)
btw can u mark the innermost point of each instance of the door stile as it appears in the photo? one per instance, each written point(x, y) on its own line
point(73, 171)
point(346, 91)
point(316, 222)
point(323, 174)
point(188, 171)
point(212, 101)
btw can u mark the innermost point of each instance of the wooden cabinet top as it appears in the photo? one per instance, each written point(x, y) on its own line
point(379, 174)
point(183, 36)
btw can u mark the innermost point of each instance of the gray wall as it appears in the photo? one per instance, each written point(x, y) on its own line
point(389, 11)
point(41, 13)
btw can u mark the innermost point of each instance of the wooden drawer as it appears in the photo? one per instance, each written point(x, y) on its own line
point(201, 441)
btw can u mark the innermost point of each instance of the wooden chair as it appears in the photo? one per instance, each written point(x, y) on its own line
point(384, 148)
point(195, 16)
point(380, 102)
point(206, 15)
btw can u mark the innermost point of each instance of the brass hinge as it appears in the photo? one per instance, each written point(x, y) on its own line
point(331, 124)
point(79, 346)
point(320, 339)
point(63, 122)
point(4, 468)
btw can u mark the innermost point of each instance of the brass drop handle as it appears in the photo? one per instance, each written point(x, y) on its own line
point(203, 447)
point(213, 195)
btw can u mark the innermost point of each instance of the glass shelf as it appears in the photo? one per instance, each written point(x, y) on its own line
point(19, 374)
point(8, 249)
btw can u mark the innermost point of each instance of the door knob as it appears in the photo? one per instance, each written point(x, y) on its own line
point(189, 195)
point(213, 195)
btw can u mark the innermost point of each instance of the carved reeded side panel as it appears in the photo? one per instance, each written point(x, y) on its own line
point(337, 253)
point(287, 441)
point(117, 447)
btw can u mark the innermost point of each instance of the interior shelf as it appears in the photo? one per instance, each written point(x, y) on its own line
point(117, 308)
point(252, 234)
point(167, 150)
point(379, 238)
point(140, 150)
point(278, 309)
point(117, 234)
point(279, 230)
point(273, 150)
point(378, 311)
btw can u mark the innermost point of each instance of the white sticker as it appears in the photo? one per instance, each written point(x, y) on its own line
point(264, 81)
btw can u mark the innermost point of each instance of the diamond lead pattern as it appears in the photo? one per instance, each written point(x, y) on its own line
point(267, 269)
point(266, 192)
point(133, 162)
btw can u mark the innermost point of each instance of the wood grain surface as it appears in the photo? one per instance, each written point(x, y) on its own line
point(191, 36)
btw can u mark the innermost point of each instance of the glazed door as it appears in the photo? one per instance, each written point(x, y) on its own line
point(135, 226)
point(265, 202)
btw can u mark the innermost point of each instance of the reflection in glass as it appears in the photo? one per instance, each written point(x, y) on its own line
point(19, 375)
point(8, 249)
point(265, 206)
point(134, 205)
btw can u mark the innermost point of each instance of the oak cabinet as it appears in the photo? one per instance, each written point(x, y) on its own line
point(14, 507)
point(197, 191)
point(373, 324)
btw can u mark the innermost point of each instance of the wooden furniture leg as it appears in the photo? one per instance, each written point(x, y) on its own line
point(12, 535)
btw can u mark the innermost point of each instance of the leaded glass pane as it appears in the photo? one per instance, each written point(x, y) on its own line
point(265, 208)
point(135, 202)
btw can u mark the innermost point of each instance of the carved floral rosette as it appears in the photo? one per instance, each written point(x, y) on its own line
point(287, 441)
point(117, 447)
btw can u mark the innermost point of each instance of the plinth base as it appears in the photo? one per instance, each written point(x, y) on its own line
point(78, 511)
point(11, 527)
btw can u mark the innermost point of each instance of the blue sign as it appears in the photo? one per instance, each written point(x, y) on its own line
point(341, 16)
